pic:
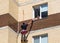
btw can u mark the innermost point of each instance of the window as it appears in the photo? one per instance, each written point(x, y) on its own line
point(40, 39)
point(36, 39)
point(41, 11)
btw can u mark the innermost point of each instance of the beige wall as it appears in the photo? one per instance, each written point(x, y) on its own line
point(4, 6)
point(19, 38)
point(12, 36)
point(53, 34)
point(9, 6)
point(22, 1)
point(13, 9)
point(4, 34)
point(7, 35)
point(25, 12)
point(53, 7)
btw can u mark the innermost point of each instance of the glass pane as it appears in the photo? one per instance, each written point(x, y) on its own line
point(44, 7)
point(36, 39)
point(44, 39)
point(37, 12)
point(44, 14)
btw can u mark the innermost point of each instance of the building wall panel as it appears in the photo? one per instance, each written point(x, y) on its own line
point(4, 6)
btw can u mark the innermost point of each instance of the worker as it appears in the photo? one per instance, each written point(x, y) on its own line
point(24, 27)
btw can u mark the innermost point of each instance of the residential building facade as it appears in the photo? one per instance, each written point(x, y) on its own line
point(14, 12)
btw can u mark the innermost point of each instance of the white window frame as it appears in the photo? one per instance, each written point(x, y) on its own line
point(39, 39)
point(40, 13)
point(33, 14)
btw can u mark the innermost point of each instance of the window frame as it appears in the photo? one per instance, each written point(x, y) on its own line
point(40, 10)
point(40, 37)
